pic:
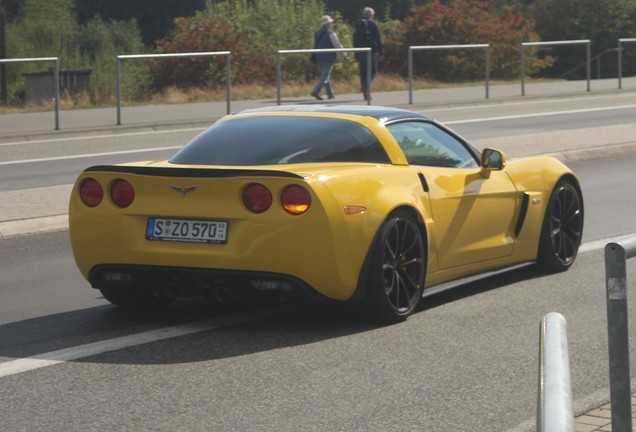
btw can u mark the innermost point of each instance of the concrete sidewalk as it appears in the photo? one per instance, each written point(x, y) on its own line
point(156, 117)
point(44, 209)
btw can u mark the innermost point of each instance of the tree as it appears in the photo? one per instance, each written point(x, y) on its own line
point(8, 11)
point(601, 21)
point(384, 10)
point(50, 29)
point(459, 22)
point(155, 18)
point(252, 31)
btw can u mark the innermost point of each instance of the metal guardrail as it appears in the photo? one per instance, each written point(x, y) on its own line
point(554, 401)
point(440, 47)
point(227, 55)
point(56, 80)
point(279, 68)
point(554, 43)
point(616, 256)
point(621, 41)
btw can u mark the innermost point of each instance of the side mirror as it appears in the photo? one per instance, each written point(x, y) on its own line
point(493, 160)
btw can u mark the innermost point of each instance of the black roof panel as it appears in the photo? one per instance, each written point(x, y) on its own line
point(378, 112)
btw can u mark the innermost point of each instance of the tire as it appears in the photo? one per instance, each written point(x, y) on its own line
point(397, 270)
point(562, 228)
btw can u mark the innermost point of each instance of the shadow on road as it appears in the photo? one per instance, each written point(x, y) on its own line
point(298, 323)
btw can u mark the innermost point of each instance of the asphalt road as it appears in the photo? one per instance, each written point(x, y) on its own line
point(466, 361)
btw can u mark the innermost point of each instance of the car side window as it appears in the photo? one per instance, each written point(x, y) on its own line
point(425, 143)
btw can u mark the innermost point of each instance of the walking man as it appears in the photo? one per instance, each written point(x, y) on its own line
point(367, 35)
point(325, 38)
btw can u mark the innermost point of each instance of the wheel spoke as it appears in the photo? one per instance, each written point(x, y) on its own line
point(566, 222)
point(402, 264)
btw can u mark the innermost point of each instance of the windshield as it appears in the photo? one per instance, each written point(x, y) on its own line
point(266, 140)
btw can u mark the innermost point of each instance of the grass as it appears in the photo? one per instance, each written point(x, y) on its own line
point(174, 95)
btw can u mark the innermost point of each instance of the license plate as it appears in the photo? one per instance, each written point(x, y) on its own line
point(185, 230)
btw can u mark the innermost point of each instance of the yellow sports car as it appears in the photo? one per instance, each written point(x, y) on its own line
point(348, 203)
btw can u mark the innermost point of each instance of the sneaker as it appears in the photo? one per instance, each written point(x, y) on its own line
point(331, 96)
point(317, 96)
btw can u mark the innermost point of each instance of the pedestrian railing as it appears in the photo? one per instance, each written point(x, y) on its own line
point(279, 67)
point(586, 42)
point(616, 255)
point(226, 54)
point(622, 41)
point(486, 47)
point(368, 51)
point(56, 80)
point(554, 402)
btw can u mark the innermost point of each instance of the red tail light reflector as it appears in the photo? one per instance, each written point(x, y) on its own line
point(295, 199)
point(122, 193)
point(257, 198)
point(91, 192)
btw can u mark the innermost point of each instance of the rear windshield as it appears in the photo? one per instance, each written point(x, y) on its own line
point(270, 140)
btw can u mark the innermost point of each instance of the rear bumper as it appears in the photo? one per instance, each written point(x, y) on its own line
point(196, 282)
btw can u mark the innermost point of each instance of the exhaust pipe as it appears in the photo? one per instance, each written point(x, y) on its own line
point(223, 294)
point(162, 290)
point(159, 290)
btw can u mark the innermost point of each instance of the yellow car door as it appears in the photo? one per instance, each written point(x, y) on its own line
point(472, 214)
point(473, 209)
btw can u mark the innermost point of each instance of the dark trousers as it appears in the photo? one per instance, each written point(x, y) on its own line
point(362, 62)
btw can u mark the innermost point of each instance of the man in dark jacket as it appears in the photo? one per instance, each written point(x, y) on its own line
point(367, 35)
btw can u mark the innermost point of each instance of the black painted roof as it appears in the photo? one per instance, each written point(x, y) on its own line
point(379, 112)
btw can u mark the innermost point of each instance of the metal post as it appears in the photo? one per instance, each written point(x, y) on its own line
point(621, 41)
point(228, 80)
point(487, 72)
point(278, 77)
point(118, 87)
point(620, 64)
point(368, 95)
point(616, 255)
point(554, 407)
point(523, 70)
point(589, 64)
point(56, 87)
point(410, 66)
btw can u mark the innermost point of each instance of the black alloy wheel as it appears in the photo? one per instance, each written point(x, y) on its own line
point(562, 229)
point(398, 269)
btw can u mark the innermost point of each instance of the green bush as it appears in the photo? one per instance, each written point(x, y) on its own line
point(50, 29)
point(252, 32)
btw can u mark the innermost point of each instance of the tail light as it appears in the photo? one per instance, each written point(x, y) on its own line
point(122, 193)
point(295, 199)
point(257, 198)
point(91, 192)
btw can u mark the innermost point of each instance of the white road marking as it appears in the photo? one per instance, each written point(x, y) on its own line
point(600, 244)
point(84, 138)
point(80, 156)
point(542, 114)
point(52, 358)
point(529, 102)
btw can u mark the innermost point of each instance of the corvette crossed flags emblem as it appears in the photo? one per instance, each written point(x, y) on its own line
point(182, 190)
